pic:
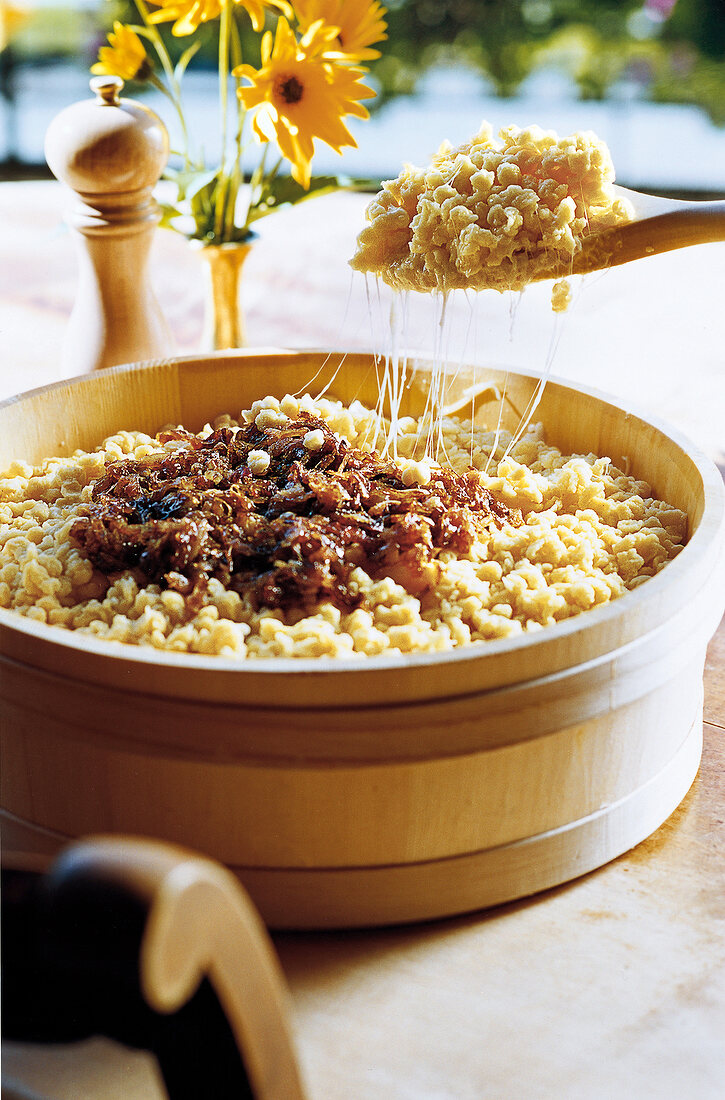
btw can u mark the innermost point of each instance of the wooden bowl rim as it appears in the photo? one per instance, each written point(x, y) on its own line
point(701, 544)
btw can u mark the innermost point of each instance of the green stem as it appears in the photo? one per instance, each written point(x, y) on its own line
point(258, 176)
point(158, 43)
point(236, 46)
point(237, 175)
point(223, 187)
point(275, 170)
point(161, 87)
point(173, 91)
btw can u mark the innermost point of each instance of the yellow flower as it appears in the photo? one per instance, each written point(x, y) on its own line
point(11, 17)
point(125, 57)
point(188, 14)
point(359, 24)
point(297, 96)
point(255, 10)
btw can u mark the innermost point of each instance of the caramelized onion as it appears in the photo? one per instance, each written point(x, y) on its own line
point(290, 537)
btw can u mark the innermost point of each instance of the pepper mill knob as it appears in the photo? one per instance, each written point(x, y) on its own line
point(111, 152)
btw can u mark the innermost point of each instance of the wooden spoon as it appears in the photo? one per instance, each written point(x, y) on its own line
point(659, 225)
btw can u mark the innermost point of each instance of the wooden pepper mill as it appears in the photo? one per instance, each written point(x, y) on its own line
point(111, 152)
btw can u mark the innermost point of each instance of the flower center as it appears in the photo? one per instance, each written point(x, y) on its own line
point(145, 69)
point(289, 89)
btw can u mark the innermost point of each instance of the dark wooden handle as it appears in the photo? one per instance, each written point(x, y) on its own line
point(158, 948)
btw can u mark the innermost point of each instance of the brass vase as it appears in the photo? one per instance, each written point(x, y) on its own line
point(224, 325)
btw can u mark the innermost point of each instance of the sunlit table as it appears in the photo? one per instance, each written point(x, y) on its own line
point(611, 986)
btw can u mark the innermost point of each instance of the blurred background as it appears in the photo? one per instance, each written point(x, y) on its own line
point(648, 77)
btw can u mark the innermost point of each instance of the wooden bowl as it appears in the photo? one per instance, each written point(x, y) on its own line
point(389, 789)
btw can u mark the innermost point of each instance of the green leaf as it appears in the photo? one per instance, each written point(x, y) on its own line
point(200, 181)
point(169, 214)
point(285, 191)
point(191, 184)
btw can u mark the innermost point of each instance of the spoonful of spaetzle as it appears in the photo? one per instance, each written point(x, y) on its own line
point(529, 205)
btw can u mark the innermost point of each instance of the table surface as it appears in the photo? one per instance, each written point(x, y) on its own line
point(613, 985)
